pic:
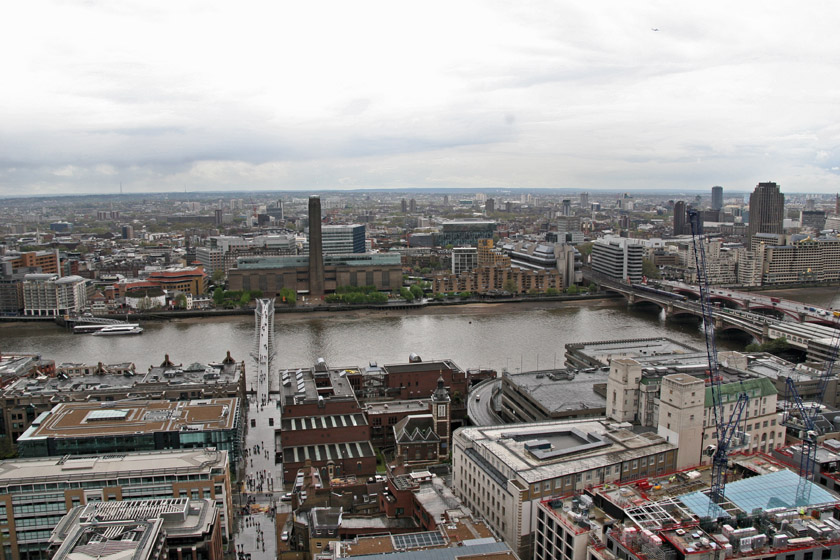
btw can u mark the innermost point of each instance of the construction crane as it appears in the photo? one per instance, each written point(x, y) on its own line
point(725, 428)
point(805, 422)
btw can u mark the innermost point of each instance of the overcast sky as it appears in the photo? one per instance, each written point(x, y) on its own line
point(351, 94)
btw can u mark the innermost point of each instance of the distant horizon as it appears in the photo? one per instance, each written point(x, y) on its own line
point(610, 96)
point(425, 190)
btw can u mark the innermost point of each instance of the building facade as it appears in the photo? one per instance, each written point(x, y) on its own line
point(49, 295)
point(767, 210)
point(503, 472)
point(618, 259)
point(36, 493)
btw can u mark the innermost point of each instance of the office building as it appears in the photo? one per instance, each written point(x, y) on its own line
point(618, 259)
point(489, 206)
point(465, 233)
point(403, 206)
point(812, 219)
point(168, 528)
point(648, 391)
point(36, 493)
point(681, 225)
point(45, 261)
point(584, 200)
point(464, 259)
point(127, 231)
point(717, 198)
point(502, 473)
point(25, 399)
point(49, 295)
point(342, 239)
point(102, 428)
point(767, 211)
point(412, 206)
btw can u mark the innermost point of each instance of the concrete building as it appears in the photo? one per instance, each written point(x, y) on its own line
point(681, 406)
point(503, 472)
point(98, 428)
point(173, 528)
point(681, 225)
point(37, 493)
point(618, 259)
point(767, 210)
point(534, 396)
point(717, 198)
point(49, 295)
point(46, 261)
point(804, 260)
point(635, 394)
point(25, 399)
point(464, 259)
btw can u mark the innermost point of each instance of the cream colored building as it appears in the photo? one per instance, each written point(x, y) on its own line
point(503, 472)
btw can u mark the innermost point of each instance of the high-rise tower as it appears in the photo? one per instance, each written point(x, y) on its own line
point(680, 223)
point(316, 256)
point(717, 198)
point(767, 211)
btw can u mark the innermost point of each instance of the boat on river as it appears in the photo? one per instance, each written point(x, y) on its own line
point(117, 330)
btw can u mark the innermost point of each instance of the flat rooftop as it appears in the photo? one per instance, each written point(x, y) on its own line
point(433, 365)
point(561, 390)
point(394, 407)
point(73, 420)
point(608, 350)
point(21, 471)
point(508, 445)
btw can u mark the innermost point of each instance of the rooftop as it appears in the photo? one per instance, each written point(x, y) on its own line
point(561, 390)
point(507, 444)
point(21, 471)
point(605, 351)
point(73, 420)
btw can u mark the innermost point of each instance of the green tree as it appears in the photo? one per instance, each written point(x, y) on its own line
point(218, 276)
point(466, 295)
point(593, 287)
point(437, 296)
point(406, 294)
point(244, 299)
point(416, 291)
point(218, 296)
point(649, 269)
point(572, 290)
point(551, 292)
point(510, 286)
point(288, 296)
point(181, 301)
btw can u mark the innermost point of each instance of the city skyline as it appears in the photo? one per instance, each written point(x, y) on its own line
point(166, 98)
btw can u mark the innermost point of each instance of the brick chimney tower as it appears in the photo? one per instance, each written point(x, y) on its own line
point(316, 256)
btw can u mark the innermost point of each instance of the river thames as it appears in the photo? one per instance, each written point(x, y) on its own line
point(527, 336)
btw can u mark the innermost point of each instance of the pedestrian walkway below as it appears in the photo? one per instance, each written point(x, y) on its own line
point(261, 486)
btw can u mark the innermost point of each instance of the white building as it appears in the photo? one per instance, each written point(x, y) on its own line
point(49, 295)
point(618, 258)
point(503, 472)
point(464, 259)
